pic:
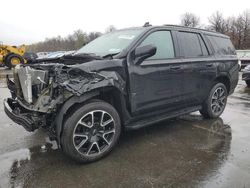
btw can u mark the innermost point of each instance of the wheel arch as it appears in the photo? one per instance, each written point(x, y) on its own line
point(111, 95)
point(224, 78)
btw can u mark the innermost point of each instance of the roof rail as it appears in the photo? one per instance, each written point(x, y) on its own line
point(180, 26)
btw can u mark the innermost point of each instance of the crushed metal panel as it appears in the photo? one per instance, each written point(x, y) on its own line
point(79, 81)
point(28, 77)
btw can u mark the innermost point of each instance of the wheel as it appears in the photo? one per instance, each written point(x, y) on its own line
point(248, 83)
point(215, 104)
point(13, 59)
point(91, 132)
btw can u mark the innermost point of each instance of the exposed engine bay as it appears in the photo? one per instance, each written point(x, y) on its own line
point(39, 90)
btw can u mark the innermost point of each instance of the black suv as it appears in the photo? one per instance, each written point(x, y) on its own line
point(125, 79)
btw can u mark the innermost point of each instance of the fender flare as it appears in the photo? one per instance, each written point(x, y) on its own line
point(230, 80)
point(63, 110)
point(225, 75)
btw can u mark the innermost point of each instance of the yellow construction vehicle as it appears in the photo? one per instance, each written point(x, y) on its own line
point(11, 56)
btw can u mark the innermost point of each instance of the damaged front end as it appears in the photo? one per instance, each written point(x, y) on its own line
point(30, 96)
point(39, 91)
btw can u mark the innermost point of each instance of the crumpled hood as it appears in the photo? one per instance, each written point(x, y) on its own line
point(84, 62)
point(97, 65)
point(82, 76)
point(79, 80)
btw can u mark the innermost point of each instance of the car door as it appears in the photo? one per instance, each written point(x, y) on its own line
point(156, 83)
point(197, 66)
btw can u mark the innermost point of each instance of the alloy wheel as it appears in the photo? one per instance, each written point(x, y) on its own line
point(218, 102)
point(94, 133)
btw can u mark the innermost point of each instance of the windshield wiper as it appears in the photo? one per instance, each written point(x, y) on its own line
point(83, 55)
point(110, 55)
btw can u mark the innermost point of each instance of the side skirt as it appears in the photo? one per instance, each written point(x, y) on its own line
point(161, 117)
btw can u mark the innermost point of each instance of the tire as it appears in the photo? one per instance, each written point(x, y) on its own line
point(215, 104)
point(248, 83)
point(9, 60)
point(85, 141)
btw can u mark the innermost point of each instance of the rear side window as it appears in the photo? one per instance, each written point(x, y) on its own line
point(162, 40)
point(222, 46)
point(191, 45)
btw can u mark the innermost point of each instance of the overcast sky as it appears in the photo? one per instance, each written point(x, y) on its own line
point(28, 21)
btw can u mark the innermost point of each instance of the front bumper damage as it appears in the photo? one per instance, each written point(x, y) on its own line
point(65, 83)
point(20, 115)
point(19, 112)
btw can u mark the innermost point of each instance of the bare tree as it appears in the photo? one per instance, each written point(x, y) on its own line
point(71, 42)
point(237, 28)
point(245, 19)
point(80, 38)
point(230, 28)
point(93, 35)
point(190, 20)
point(217, 22)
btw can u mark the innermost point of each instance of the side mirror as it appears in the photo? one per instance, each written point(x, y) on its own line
point(144, 52)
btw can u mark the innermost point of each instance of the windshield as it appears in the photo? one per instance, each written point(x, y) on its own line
point(111, 43)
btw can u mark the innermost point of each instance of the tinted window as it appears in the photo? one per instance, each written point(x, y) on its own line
point(163, 42)
point(222, 46)
point(191, 45)
point(203, 46)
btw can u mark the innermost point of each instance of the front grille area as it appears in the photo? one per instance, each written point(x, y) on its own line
point(24, 75)
point(28, 79)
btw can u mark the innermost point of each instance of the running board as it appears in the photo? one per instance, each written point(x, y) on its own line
point(152, 120)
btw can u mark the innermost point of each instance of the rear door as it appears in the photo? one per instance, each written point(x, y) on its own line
point(197, 66)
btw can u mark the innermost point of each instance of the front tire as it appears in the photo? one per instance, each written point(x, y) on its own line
point(91, 132)
point(215, 104)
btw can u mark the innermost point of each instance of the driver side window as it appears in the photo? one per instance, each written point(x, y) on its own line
point(162, 40)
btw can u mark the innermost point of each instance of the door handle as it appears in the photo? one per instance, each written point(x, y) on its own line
point(175, 68)
point(209, 65)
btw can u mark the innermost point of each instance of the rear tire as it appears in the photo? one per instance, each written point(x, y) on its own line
point(91, 132)
point(13, 59)
point(248, 83)
point(215, 104)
